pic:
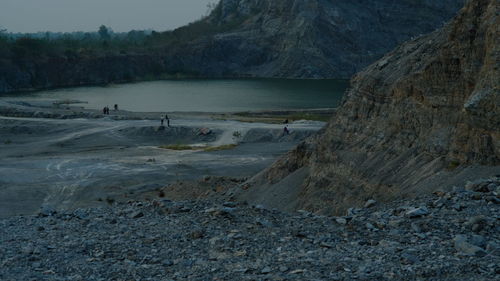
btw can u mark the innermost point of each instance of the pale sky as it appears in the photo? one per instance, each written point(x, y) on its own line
point(88, 15)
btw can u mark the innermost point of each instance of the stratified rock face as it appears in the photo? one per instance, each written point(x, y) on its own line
point(422, 118)
point(307, 38)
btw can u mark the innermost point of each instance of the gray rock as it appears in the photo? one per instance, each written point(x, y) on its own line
point(493, 248)
point(341, 221)
point(370, 203)
point(283, 268)
point(136, 214)
point(417, 212)
point(266, 270)
point(478, 240)
point(465, 248)
point(47, 210)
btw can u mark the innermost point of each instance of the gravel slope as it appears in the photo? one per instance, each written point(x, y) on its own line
point(444, 236)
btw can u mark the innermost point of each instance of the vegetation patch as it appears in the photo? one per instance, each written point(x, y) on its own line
point(310, 116)
point(178, 147)
point(452, 165)
point(220, 147)
point(280, 117)
point(203, 148)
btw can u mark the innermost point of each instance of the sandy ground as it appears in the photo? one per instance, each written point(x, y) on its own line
point(69, 157)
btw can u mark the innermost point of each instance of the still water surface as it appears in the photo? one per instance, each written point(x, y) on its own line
point(206, 95)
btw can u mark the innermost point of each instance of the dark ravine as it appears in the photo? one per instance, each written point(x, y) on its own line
point(251, 38)
point(424, 117)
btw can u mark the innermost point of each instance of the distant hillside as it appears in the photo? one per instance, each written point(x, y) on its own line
point(423, 118)
point(240, 38)
point(303, 38)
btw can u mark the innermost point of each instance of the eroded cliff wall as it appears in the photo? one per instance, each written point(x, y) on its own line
point(424, 117)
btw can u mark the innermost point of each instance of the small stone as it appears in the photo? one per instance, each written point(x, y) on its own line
point(416, 227)
point(264, 222)
point(493, 249)
point(417, 212)
point(196, 234)
point(370, 203)
point(229, 204)
point(326, 245)
point(283, 269)
point(136, 215)
point(266, 270)
point(492, 199)
point(476, 223)
point(465, 248)
point(341, 221)
point(478, 240)
point(167, 263)
point(47, 210)
point(407, 258)
point(80, 214)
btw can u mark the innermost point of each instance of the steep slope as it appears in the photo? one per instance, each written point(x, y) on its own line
point(247, 38)
point(424, 117)
point(307, 38)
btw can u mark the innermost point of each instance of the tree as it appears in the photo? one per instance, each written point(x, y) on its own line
point(210, 8)
point(3, 33)
point(104, 32)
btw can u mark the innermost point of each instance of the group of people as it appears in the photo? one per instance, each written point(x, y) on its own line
point(163, 118)
point(105, 110)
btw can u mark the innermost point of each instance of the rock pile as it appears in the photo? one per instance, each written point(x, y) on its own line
point(443, 236)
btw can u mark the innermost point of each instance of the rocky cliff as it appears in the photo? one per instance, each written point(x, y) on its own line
point(306, 38)
point(248, 38)
point(424, 117)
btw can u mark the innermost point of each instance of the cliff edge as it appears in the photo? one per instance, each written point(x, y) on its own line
point(424, 117)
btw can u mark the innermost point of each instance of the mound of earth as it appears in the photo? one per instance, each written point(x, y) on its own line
point(170, 135)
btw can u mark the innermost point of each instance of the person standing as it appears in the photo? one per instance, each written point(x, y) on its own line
point(168, 120)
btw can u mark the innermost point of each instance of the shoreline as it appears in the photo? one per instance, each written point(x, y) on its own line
point(172, 78)
point(49, 109)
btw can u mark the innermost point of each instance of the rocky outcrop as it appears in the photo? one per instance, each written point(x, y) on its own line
point(306, 38)
point(248, 38)
point(424, 117)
